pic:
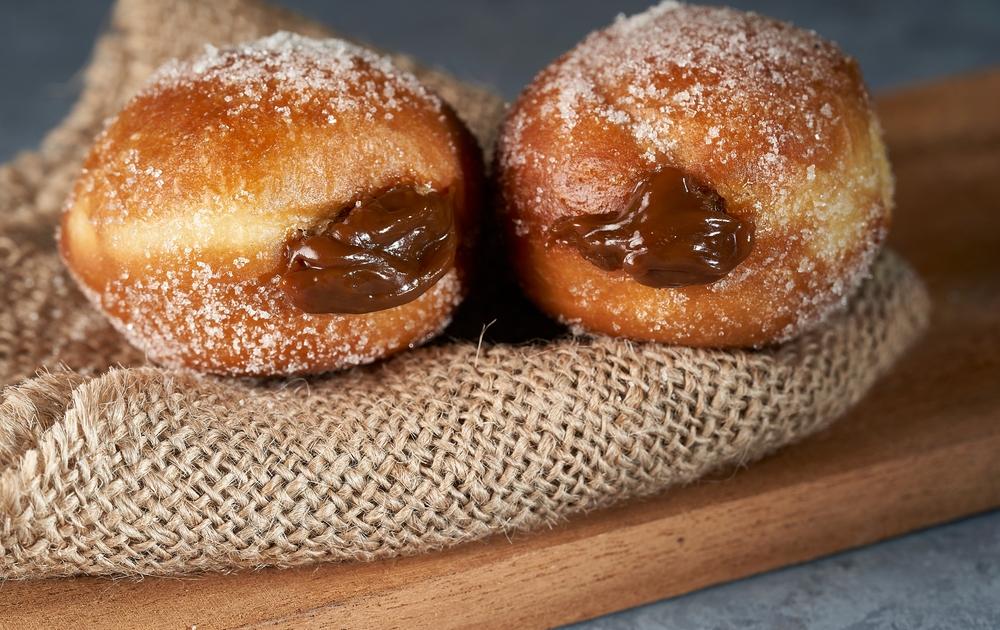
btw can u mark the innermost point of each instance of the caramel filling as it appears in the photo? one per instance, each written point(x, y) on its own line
point(379, 254)
point(673, 232)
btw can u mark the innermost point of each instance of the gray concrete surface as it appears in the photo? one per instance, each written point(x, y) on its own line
point(946, 577)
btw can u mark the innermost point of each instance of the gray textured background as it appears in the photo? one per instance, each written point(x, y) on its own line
point(946, 577)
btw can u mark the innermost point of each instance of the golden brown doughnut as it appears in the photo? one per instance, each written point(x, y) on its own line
point(694, 175)
point(286, 206)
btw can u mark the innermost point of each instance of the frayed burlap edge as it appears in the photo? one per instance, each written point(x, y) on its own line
point(140, 470)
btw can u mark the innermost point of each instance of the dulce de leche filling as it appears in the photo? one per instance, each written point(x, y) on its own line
point(673, 232)
point(374, 255)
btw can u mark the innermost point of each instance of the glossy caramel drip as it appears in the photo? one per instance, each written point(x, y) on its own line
point(382, 253)
point(673, 232)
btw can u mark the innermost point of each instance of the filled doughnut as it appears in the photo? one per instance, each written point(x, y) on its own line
point(696, 176)
point(286, 206)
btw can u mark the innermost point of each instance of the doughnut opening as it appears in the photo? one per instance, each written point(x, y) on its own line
point(377, 254)
point(673, 232)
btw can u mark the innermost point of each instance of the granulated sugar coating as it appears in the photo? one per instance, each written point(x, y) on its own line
point(774, 118)
point(290, 71)
point(177, 225)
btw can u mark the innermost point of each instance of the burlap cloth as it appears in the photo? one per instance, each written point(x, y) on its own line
point(138, 470)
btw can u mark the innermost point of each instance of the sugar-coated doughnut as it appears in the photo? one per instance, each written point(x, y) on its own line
point(285, 206)
point(694, 175)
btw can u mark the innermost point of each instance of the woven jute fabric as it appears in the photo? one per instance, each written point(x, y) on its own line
point(109, 465)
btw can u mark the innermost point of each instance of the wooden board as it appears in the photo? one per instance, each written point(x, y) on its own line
point(923, 448)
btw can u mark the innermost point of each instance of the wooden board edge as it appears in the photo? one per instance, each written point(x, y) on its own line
point(681, 553)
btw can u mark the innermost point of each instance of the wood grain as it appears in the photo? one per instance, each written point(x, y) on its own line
point(920, 450)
